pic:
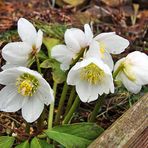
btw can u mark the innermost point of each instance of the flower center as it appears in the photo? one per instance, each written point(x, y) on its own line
point(92, 74)
point(27, 84)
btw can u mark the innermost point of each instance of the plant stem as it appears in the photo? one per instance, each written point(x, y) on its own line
point(117, 71)
point(38, 64)
point(27, 128)
point(72, 110)
point(96, 109)
point(40, 121)
point(61, 103)
point(51, 108)
point(70, 100)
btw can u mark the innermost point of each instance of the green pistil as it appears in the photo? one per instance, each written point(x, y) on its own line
point(92, 74)
point(27, 84)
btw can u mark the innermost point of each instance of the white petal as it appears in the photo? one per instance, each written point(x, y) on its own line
point(16, 53)
point(9, 76)
point(113, 43)
point(8, 65)
point(107, 59)
point(27, 31)
point(84, 91)
point(39, 40)
point(32, 109)
point(75, 39)
point(62, 54)
point(10, 100)
point(45, 92)
point(94, 50)
point(73, 76)
point(129, 85)
point(88, 33)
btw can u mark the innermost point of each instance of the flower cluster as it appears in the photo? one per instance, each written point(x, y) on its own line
point(24, 88)
point(92, 72)
point(86, 59)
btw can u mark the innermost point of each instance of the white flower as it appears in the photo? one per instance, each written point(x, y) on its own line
point(25, 89)
point(132, 71)
point(75, 42)
point(18, 53)
point(91, 77)
point(104, 44)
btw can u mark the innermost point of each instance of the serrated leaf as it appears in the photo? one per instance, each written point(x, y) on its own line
point(50, 43)
point(46, 64)
point(6, 141)
point(68, 140)
point(37, 143)
point(23, 145)
point(86, 130)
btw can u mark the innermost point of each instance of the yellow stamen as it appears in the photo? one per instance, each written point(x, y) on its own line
point(92, 74)
point(102, 49)
point(27, 84)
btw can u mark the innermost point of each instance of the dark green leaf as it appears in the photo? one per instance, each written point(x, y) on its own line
point(37, 143)
point(68, 140)
point(6, 141)
point(50, 43)
point(23, 145)
point(86, 130)
point(42, 55)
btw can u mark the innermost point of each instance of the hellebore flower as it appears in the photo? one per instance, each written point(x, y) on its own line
point(91, 77)
point(75, 42)
point(25, 89)
point(132, 71)
point(104, 44)
point(19, 53)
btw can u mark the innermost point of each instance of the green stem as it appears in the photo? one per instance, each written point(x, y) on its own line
point(38, 63)
point(51, 108)
point(70, 100)
point(40, 121)
point(96, 109)
point(61, 103)
point(72, 110)
point(117, 71)
point(27, 128)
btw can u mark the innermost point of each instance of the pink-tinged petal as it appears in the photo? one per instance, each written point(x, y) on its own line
point(39, 40)
point(27, 31)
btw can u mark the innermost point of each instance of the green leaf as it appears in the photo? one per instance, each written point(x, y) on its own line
point(6, 141)
point(37, 143)
point(46, 64)
point(42, 55)
point(75, 135)
point(50, 43)
point(68, 140)
point(86, 130)
point(23, 145)
point(59, 76)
